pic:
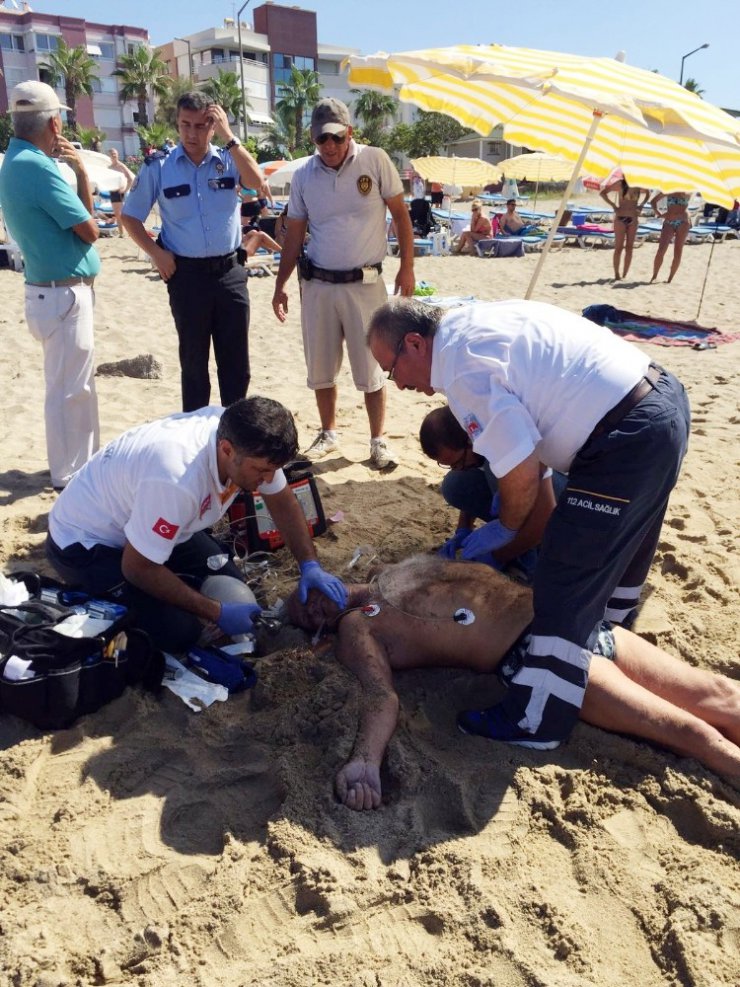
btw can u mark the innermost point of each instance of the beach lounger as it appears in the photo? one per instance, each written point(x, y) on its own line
point(536, 217)
point(106, 228)
point(422, 247)
point(263, 262)
point(651, 230)
point(717, 230)
point(586, 237)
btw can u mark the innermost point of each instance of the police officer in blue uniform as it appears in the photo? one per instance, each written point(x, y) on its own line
point(196, 254)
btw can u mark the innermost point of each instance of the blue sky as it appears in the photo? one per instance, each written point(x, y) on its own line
point(653, 33)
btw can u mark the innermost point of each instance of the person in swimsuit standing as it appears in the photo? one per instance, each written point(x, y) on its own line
point(676, 226)
point(626, 206)
point(118, 195)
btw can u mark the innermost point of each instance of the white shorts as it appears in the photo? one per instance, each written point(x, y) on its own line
point(332, 314)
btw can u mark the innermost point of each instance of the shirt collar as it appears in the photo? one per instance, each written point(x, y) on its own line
point(435, 373)
point(179, 152)
point(351, 154)
point(224, 491)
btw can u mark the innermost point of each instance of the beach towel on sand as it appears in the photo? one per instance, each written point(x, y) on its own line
point(652, 329)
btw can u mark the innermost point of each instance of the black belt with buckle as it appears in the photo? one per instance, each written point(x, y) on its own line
point(641, 389)
point(343, 277)
point(211, 265)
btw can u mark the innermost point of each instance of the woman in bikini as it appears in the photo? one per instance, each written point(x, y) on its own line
point(676, 226)
point(480, 229)
point(627, 206)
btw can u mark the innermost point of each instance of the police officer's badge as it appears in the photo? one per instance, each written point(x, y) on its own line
point(219, 168)
point(364, 184)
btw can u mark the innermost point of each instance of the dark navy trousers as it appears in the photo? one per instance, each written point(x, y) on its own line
point(209, 304)
point(596, 553)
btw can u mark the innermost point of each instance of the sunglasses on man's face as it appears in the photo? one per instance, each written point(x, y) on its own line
point(337, 138)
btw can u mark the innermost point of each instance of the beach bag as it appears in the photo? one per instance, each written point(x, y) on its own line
point(251, 524)
point(51, 679)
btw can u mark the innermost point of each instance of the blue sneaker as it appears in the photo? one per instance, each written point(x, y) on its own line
point(495, 725)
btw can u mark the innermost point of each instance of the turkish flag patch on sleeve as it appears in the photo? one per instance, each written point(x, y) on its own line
point(165, 529)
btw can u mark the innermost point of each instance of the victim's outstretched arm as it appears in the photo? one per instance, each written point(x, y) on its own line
point(358, 782)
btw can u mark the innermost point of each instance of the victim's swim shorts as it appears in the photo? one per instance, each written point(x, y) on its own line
point(514, 657)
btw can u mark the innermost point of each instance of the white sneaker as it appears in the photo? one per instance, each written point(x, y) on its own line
point(324, 443)
point(380, 455)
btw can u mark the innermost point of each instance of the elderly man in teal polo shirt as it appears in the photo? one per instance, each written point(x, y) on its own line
point(55, 230)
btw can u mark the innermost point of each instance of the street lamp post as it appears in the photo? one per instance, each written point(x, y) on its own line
point(241, 69)
point(705, 45)
point(190, 59)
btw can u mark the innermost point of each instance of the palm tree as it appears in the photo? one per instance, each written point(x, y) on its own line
point(88, 135)
point(279, 140)
point(225, 90)
point(297, 96)
point(373, 109)
point(140, 73)
point(693, 87)
point(177, 86)
point(74, 68)
point(155, 134)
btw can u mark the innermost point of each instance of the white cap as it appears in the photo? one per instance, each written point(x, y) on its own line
point(34, 97)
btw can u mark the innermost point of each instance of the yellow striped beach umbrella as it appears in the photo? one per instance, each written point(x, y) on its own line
point(468, 172)
point(597, 112)
point(539, 166)
point(660, 134)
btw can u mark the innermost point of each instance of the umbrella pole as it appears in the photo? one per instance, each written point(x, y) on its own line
point(564, 201)
point(706, 275)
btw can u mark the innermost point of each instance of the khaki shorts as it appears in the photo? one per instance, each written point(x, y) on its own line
point(332, 314)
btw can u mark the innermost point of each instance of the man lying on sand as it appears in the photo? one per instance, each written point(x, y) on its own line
point(430, 612)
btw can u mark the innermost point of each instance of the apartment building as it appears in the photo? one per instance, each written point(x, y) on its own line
point(279, 39)
point(26, 40)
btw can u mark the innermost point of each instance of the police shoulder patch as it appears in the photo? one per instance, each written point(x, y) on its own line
point(364, 184)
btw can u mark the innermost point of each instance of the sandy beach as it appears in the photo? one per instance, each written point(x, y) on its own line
point(152, 846)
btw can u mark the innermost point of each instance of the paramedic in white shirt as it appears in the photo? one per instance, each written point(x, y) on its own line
point(131, 524)
point(535, 385)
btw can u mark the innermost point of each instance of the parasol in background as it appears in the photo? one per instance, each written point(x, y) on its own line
point(597, 112)
point(283, 176)
point(467, 172)
point(539, 166)
point(100, 173)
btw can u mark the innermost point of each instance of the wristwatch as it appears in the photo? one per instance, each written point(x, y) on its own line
point(234, 142)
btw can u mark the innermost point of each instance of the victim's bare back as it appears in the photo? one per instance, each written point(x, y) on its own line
point(427, 611)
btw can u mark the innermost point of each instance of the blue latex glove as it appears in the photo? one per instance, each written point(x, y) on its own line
point(314, 577)
point(488, 538)
point(450, 547)
point(496, 505)
point(237, 618)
